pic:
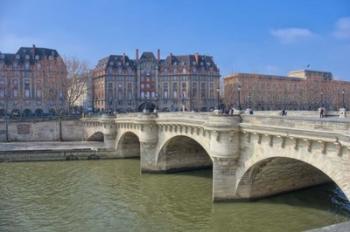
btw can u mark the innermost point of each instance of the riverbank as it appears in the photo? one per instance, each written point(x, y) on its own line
point(341, 227)
point(53, 151)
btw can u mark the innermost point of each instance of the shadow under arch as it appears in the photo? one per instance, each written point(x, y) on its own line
point(97, 136)
point(128, 146)
point(276, 175)
point(183, 153)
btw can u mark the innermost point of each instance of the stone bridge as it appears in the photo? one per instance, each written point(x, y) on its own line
point(251, 156)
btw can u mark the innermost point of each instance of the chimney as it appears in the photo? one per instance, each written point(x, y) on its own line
point(123, 58)
point(137, 54)
point(33, 50)
point(196, 56)
point(158, 54)
point(171, 58)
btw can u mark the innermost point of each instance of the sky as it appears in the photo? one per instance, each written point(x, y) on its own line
point(267, 36)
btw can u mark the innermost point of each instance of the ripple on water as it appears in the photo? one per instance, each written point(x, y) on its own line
point(111, 195)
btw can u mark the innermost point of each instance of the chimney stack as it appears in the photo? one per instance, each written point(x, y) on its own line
point(123, 58)
point(171, 58)
point(33, 50)
point(137, 54)
point(196, 56)
point(158, 54)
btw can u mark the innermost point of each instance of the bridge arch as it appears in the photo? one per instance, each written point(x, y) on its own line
point(182, 152)
point(278, 174)
point(96, 136)
point(128, 145)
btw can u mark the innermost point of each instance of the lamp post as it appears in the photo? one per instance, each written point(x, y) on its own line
point(343, 93)
point(249, 102)
point(6, 115)
point(218, 98)
point(239, 97)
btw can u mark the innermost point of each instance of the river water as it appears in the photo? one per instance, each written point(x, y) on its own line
point(111, 195)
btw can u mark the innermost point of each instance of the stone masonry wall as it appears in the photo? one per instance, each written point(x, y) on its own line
point(48, 130)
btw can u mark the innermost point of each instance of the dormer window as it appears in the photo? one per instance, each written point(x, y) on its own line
point(111, 63)
point(50, 57)
point(17, 57)
point(27, 57)
point(127, 63)
point(37, 57)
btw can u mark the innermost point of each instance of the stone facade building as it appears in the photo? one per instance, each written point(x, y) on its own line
point(300, 90)
point(175, 83)
point(32, 81)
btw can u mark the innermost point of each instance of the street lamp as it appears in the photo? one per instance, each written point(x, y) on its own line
point(343, 93)
point(218, 97)
point(239, 97)
point(249, 102)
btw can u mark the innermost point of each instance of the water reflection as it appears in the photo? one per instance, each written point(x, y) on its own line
point(113, 196)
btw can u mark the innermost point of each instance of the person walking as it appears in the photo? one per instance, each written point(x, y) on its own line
point(321, 112)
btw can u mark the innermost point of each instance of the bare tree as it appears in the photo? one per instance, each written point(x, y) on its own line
point(77, 77)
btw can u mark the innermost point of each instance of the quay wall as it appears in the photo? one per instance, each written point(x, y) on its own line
point(41, 130)
point(56, 155)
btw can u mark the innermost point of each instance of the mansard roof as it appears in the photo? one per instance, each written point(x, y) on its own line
point(28, 53)
point(115, 61)
point(148, 56)
point(188, 61)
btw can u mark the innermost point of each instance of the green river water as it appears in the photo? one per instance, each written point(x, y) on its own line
point(112, 195)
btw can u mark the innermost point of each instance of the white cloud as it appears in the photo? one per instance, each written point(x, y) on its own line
point(292, 34)
point(342, 28)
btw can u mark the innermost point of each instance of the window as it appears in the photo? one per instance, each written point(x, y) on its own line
point(184, 90)
point(2, 88)
point(27, 88)
point(130, 91)
point(211, 90)
point(38, 89)
point(175, 90)
point(15, 88)
point(194, 89)
point(120, 91)
point(165, 90)
point(142, 94)
point(110, 90)
point(203, 90)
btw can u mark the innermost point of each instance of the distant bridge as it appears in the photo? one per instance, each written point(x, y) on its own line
point(252, 156)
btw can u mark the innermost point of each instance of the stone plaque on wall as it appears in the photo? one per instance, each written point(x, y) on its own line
point(23, 129)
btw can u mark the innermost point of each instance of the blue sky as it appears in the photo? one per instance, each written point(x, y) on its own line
point(264, 36)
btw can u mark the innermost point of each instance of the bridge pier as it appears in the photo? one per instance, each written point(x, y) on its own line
point(224, 178)
point(109, 133)
point(225, 152)
point(148, 136)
